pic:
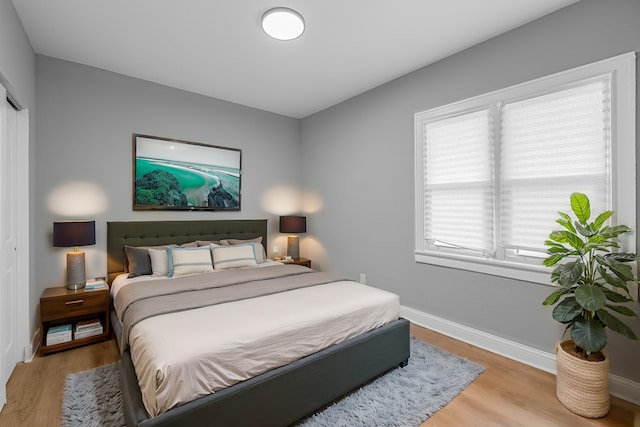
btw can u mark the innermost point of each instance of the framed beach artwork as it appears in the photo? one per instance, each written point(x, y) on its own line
point(171, 174)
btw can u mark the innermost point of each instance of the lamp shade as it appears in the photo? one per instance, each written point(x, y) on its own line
point(74, 233)
point(293, 224)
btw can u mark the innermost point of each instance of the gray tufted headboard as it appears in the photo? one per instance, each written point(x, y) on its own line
point(153, 233)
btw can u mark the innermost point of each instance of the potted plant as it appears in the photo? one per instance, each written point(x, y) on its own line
point(593, 290)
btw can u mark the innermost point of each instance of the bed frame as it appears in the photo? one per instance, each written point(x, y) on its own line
point(278, 397)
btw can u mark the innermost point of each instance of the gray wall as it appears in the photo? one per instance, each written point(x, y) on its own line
point(86, 118)
point(17, 60)
point(358, 167)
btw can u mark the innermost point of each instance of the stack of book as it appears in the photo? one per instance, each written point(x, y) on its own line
point(88, 328)
point(94, 284)
point(58, 334)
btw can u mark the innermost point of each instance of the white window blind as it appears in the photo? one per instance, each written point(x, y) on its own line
point(553, 145)
point(458, 202)
point(493, 171)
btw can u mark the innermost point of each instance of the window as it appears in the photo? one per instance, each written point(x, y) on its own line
point(493, 171)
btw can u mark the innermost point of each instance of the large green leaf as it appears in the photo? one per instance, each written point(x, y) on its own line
point(589, 335)
point(623, 271)
point(552, 260)
point(598, 239)
point(571, 273)
point(563, 236)
point(558, 236)
point(622, 310)
point(615, 231)
point(585, 231)
point(555, 274)
point(614, 281)
point(552, 243)
point(574, 240)
point(581, 207)
point(599, 246)
point(590, 297)
point(567, 310)
point(615, 324)
point(555, 296)
point(622, 257)
point(566, 221)
point(615, 296)
point(558, 250)
point(601, 219)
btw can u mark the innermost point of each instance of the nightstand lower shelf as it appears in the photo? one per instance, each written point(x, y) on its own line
point(46, 349)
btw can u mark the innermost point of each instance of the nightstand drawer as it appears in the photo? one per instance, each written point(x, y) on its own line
point(73, 305)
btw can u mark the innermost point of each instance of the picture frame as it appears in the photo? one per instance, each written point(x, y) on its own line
point(171, 174)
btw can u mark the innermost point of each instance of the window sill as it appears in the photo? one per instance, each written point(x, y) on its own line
point(508, 269)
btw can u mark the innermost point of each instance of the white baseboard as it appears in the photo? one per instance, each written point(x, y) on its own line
point(31, 350)
point(618, 386)
point(27, 354)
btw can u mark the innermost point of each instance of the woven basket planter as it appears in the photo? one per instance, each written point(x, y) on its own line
point(582, 386)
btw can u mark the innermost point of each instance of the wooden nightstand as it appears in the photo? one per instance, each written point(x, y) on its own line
point(62, 306)
point(298, 261)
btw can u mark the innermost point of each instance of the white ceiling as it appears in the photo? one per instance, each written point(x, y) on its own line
point(217, 48)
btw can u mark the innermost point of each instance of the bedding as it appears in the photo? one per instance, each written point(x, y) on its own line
point(196, 334)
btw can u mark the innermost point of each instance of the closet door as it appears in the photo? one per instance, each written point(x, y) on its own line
point(8, 254)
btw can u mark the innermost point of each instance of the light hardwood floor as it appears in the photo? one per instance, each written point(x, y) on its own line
point(508, 393)
point(34, 391)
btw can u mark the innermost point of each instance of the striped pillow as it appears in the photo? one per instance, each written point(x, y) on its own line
point(188, 260)
point(235, 256)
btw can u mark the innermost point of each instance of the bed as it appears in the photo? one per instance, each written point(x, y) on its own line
point(277, 395)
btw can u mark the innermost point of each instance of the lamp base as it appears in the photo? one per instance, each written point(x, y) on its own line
point(75, 287)
point(76, 273)
point(293, 247)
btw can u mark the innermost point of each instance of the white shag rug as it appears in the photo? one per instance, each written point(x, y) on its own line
point(404, 397)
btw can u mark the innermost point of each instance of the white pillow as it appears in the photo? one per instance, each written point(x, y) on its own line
point(235, 256)
point(188, 260)
point(261, 255)
point(159, 262)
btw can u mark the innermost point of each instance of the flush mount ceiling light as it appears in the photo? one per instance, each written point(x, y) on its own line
point(283, 23)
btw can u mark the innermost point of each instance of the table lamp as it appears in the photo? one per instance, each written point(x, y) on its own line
point(73, 234)
point(293, 224)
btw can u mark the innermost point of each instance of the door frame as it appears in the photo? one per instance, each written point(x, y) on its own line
point(24, 345)
point(26, 342)
point(27, 335)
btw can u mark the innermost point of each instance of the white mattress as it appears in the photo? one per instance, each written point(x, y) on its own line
point(179, 357)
